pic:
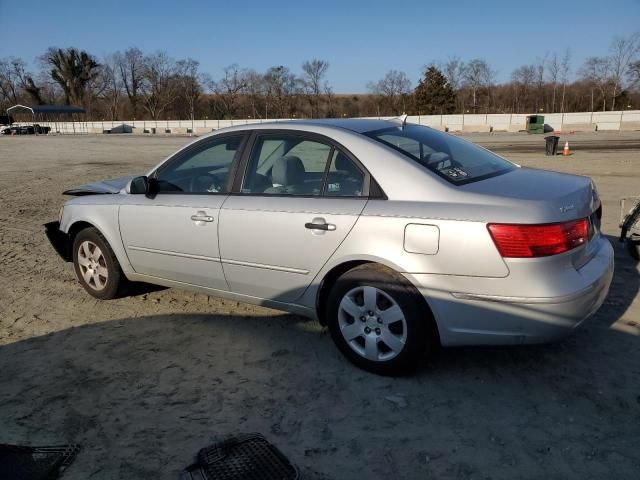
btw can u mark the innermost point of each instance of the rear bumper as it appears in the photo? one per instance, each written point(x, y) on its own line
point(472, 318)
point(59, 240)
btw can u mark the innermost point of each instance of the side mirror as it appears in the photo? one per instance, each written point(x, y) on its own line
point(139, 186)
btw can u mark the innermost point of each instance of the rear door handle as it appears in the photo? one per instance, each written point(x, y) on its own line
point(320, 224)
point(201, 217)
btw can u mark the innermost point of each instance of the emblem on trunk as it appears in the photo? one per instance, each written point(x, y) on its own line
point(567, 208)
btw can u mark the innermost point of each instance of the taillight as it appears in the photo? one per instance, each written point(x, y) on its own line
point(528, 241)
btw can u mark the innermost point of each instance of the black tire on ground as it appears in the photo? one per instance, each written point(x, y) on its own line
point(421, 331)
point(116, 282)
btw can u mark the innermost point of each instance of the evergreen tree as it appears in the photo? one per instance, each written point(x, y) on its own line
point(434, 95)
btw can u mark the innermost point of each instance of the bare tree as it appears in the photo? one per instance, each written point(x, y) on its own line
point(540, 65)
point(553, 72)
point(633, 74)
point(565, 68)
point(13, 79)
point(597, 71)
point(228, 89)
point(281, 87)
point(477, 75)
point(393, 89)
point(111, 85)
point(623, 51)
point(524, 79)
point(313, 75)
point(331, 104)
point(255, 92)
point(131, 67)
point(159, 87)
point(453, 70)
point(188, 80)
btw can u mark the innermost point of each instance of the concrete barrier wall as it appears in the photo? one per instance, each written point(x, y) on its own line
point(566, 122)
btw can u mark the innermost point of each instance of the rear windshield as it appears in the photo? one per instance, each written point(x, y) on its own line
point(454, 159)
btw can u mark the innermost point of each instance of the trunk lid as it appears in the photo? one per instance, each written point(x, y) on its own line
point(542, 196)
point(552, 196)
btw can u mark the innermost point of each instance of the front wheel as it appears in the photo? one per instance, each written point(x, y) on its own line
point(96, 265)
point(378, 320)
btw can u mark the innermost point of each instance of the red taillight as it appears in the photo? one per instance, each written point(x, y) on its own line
point(527, 241)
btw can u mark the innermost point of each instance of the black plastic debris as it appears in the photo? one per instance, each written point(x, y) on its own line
point(242, 457)
point(35, 463)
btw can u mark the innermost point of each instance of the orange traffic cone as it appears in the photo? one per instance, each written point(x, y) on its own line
point(565, 150)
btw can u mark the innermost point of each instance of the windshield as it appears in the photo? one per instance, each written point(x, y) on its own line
point(454, 159)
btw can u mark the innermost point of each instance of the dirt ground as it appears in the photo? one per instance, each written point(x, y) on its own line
point(143, 382)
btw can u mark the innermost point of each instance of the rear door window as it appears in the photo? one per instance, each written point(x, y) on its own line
point(287, 165)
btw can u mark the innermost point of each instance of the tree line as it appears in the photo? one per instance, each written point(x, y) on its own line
point(137, 85)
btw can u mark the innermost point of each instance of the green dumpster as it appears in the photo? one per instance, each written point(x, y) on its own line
point(535, 123)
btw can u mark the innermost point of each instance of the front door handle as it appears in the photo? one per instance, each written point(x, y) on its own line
point(320, 224)
point(201, 216)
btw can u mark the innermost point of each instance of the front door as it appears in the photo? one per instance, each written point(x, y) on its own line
point(299, 199)
point(174, 235)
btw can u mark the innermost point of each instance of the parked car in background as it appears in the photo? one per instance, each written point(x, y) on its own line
point(397, 237)
point(25, 130)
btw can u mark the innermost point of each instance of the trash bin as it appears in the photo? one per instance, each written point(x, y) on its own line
point(551, 145)
point(535, 124)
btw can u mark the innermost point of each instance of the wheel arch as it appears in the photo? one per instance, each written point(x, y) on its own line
point(81, 224)
point(336, 271)
point(327, 282)
point(77, 226)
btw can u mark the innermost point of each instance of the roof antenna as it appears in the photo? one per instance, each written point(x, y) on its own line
point(401, 120)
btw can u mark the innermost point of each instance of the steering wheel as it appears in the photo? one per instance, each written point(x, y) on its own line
point(207, 182)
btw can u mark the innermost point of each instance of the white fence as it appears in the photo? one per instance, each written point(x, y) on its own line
point(566, 122)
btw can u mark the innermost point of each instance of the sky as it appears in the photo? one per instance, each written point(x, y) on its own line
point(361, 40)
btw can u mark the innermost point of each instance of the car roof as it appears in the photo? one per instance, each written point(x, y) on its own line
point(357, 125)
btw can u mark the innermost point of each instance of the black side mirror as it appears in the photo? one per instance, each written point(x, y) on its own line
point(139, 186)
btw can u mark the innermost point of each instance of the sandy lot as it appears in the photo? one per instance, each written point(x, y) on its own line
point(143, 382)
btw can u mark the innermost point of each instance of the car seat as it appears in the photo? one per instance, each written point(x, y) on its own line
point(288, 176)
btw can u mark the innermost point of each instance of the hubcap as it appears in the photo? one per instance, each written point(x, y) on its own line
point(93, 266)
point(372, 323)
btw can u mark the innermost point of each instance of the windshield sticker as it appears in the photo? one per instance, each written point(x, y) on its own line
point(456, 172)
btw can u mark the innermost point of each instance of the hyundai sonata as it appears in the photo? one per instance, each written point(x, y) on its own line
point(397, 237)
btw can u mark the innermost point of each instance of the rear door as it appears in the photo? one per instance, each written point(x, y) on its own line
point(174, 235)
point(299, 198)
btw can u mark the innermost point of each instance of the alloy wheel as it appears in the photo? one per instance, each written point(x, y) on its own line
point(93, 266)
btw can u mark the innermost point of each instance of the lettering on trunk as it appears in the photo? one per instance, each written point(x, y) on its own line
point(567, 208)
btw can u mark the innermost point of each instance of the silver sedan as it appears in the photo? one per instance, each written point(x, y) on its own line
point(397, 237)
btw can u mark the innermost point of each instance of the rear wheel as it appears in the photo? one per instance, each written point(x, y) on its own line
point(378, 320)
point(96, 265)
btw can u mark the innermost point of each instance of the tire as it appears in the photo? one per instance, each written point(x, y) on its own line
point(400, 333)
point(96, 266)
point(634, 248)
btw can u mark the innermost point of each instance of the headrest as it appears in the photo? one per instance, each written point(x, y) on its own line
point(287, 171)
